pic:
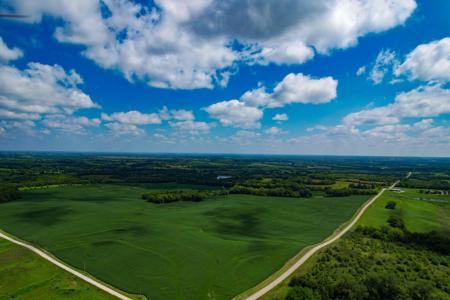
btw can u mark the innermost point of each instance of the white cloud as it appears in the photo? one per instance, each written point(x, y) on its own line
point(428, 62)
point(423, 102)
point(182, 115)
point(294, 88)
point(192, 126)
point(186, 44)
point(40, 89)
point(132, 117)
point(385, 62)
point(8, 54)
point(361, 70)
point(119, 129)
point(299, 88)
point(69, 123)
point(273, 130)
point(235, 113)
point(280, 117)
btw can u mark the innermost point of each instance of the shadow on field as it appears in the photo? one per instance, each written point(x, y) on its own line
point(45, 217)
point(237, 221)
point(135, 230)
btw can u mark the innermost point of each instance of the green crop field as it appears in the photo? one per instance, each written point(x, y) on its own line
point(24, 275)
point(420, 212)
point(217, 248)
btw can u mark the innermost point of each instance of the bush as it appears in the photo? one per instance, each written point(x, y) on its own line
point(390, 205)
point(9, 193)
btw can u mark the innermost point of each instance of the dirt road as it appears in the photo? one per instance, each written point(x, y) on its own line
point(316, 248)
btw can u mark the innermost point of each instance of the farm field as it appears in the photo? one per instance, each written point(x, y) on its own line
point(217, 248)
point(24, 275)
point(420, 212)
point(414, 271)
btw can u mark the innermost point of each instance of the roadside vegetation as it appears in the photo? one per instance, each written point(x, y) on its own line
point(400, 250)
point(26, 276)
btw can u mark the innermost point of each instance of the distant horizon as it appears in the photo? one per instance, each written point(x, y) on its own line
point(214, 154)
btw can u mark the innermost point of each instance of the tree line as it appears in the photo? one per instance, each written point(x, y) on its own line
point(180, 196)
point(9, 193)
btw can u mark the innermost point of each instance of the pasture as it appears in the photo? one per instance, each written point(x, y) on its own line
point(217, 248)
point(24, 275)
point(420, 212)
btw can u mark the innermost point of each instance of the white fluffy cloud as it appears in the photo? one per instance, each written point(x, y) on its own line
point(294, 88)
point(235, 113)
point(273, 130)
point(119, 129)
point(69, 123)
point(132, 117)
point(40, 89)
point(280, 117)
point(428, 62)
point(423, 102)
point(192, 126)
point(8, 54)
point(187, 44)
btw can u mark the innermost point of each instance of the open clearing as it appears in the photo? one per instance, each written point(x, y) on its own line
point(213, 249)
point(419, 215)
point(24, 275)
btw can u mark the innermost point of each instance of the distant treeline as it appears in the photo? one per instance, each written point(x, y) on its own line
point(8, 193)
point(179, 196)
point(272, 187)
point(425, 184)
point(348, 192)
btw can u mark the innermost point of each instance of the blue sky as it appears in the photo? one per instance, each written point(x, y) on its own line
point(290, 77)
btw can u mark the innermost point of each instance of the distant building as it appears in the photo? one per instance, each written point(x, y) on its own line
point(397, 190)
point(220, 177)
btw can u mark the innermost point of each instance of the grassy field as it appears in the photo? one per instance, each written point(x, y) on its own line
point(422, 215)
point(24, 275)
point(420, 212)
point(213, 249)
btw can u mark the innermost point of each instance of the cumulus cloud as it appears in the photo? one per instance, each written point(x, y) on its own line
point(40, 89)
point(424, 101)
point(280, 117)
point(192, 126)
point(235, 113)
point(189, 44)
point(294, 88)
point(132, 117)
point(70, 123)
point(7, 54)
point(428, 62)
point(273, 130)
point(119, 129)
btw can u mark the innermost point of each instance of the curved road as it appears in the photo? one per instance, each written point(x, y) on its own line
point(66, 267)
point(316, 248)
point(254, 296)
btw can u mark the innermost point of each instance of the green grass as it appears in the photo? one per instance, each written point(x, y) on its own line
point(217, 248)
point(418, 215)
point(24, 275)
